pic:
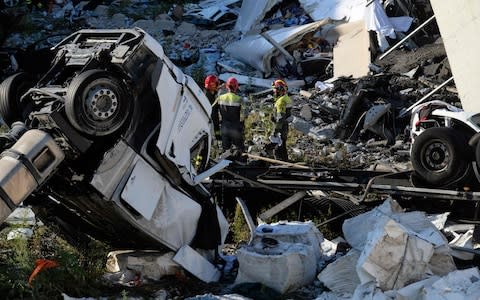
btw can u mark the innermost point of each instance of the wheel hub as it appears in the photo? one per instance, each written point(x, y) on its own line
point(101, 102)
point(437, 156)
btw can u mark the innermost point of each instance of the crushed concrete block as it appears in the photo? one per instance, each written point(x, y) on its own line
point(341, 276)
point(356, 229)
point(101, 11)
point(147, 25)
point(442, 261)
point(301, 125)
point(196, 264)
point(322, 134)
point(305, 94)
point(393, 257)
point(167, 25)
point(186, 29)
point(306, 112)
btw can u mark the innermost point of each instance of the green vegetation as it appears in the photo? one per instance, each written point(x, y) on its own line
point(240, 230)
point(78, 272)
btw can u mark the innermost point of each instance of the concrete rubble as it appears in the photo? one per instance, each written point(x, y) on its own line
point(345, 114)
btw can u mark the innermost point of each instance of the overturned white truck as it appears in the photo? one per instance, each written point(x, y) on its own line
point(109, 142)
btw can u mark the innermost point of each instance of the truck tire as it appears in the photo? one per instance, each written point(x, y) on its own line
point(440, 156)
point(97, 103)
point(11, 89)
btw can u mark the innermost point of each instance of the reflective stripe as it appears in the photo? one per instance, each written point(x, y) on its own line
point(230, 99)
point(228, 103)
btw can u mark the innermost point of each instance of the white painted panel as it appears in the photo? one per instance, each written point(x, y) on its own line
point(168, 91)
point(143, 189)
point(459, 23)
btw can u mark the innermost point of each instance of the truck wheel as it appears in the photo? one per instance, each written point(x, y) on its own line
point(97, 103)
point(11, 89)
point(440, 155)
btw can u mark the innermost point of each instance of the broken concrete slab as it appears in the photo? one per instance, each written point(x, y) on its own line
point(355, 230)
point(341, 275)
point(196, 264)
point(393, 257)
point(353, 41)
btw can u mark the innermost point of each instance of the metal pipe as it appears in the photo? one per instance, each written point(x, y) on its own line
point(274, 43)
point(404, 112)
point(406, 37)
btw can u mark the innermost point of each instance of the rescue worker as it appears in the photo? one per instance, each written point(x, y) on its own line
point(212, 85)
point(230, 106)
point(282, 113)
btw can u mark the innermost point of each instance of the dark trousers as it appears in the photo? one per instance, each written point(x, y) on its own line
point(232, 134)
point(280, 152)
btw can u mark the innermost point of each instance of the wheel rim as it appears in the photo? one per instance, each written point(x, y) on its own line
point(101, 103)
point(436, 157)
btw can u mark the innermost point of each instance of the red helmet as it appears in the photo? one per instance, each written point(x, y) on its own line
point(232, 84)
point(211, 82)
point(279, 87)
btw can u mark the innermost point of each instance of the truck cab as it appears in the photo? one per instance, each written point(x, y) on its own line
point(128, 133)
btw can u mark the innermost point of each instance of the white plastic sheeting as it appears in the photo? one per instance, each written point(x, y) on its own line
point(397, 247)
point(282, 256)
point(376, 19)
point(258, 52)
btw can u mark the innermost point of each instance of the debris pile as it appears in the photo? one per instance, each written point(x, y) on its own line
point(352, 68)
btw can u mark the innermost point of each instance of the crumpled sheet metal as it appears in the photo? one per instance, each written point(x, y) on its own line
point(350, 10)
point(252, 12)
point(257, 51)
